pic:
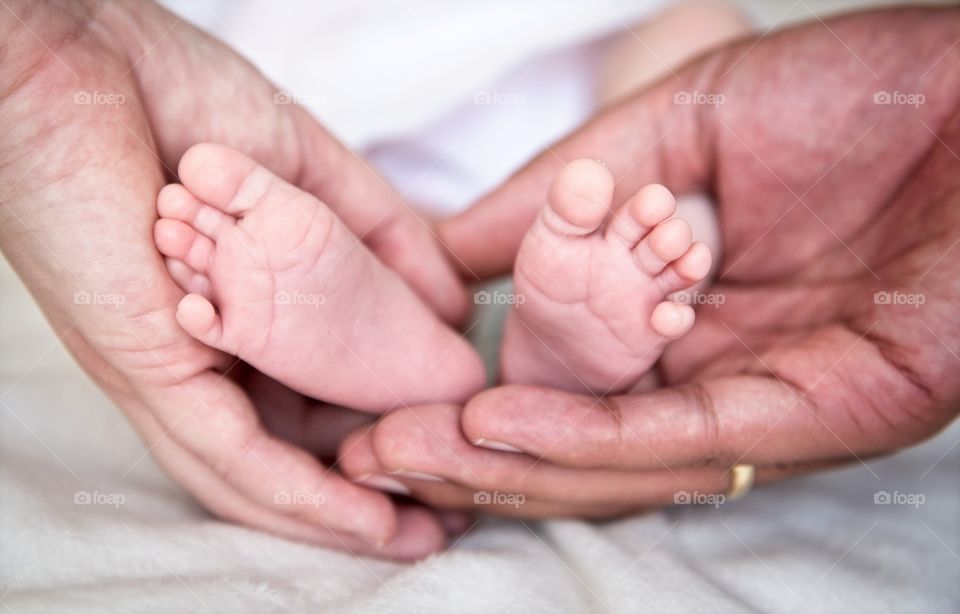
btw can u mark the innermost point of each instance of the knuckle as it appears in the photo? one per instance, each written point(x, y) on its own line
point(594, 435)
point(237, 448)
point(706, 427)
point(396, 443)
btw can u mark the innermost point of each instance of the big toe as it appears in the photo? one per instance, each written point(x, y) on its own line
point(579, 198)
point(228, 179)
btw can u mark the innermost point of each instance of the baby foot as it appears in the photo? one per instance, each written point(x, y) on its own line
point(277, 280)
point(590, 311)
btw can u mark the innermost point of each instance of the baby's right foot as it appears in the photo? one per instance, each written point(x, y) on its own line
point(591, 287)
point(277, 280)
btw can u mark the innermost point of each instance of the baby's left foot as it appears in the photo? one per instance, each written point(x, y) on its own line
point(591, 313)
point(278, 280)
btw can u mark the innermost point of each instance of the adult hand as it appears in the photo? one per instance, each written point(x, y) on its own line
point(98, 101)
point(831, 151)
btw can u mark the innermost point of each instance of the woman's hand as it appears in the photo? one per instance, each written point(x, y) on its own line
point(98, 101)
point(833, 333)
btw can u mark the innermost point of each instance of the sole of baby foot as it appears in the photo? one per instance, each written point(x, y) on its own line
point(277, 280)
point(593, 316)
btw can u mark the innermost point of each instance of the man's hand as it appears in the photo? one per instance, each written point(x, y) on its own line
point(833, 334)
point(98, 101)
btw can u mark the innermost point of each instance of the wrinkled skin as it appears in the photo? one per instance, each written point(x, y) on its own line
point(824, 199)
point(98, 100)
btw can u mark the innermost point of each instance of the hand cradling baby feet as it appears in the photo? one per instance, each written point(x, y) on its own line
point(594, 315)
point(276, 279)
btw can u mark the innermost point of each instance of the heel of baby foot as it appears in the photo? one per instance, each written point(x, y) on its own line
point(197, 316)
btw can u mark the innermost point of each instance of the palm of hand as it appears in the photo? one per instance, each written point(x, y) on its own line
point(92, 172)
point(837, 268)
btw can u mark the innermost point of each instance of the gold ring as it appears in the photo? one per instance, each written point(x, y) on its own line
point(741, 481)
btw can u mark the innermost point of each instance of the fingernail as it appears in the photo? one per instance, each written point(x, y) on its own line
point(495, 445)
point(382, 482)
point(416, 475)
point(377, 542)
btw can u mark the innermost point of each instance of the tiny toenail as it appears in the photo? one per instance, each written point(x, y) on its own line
point(382, 482)
point(416, 475)
point(495, 445)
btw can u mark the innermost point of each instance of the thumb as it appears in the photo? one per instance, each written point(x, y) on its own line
point(230, 102)
point(648, 138)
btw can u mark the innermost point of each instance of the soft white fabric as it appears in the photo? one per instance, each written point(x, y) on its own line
point(818, 544)
point(375, 69)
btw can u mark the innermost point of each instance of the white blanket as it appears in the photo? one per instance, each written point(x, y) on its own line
point(88, 523)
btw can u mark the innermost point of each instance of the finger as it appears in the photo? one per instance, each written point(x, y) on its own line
point(423, 447)
point(209, 416)
point(502, 502)
point(528, 489)
point(721, 422)
point(703, 486)
point(455, 523)
point(418, 532)
point(455, 498)
point(645, 140)
point(360, 463)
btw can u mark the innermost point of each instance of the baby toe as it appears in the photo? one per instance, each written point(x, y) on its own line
point(687, 270)
point(187, 279)
point(579, 198)
point(176, 239)
point(664, 244)
point(178, 203)
point(650, 206)
point(672, 320)
point(196, 315)
point(225, 178)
